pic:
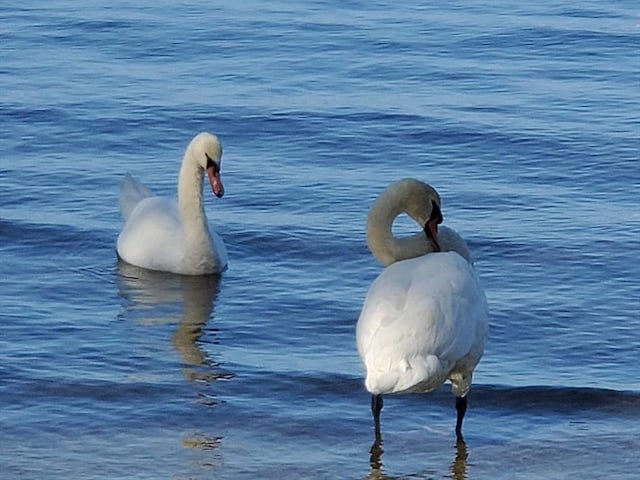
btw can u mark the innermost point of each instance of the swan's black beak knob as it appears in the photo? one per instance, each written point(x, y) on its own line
point(431, 227)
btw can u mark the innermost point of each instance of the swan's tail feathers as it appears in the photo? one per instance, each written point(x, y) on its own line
point(131, 193)
point(418, 374)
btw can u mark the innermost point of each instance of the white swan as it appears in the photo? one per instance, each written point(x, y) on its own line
point(160, 234)
point(425, 317)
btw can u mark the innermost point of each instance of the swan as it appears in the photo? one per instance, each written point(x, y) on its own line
point(425, 317)
point(165, 235)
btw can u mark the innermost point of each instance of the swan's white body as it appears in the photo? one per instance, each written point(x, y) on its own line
point(165, 235)
point(424, 319)
point(423, 322)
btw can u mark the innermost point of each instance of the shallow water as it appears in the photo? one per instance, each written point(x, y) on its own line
point(524, 119)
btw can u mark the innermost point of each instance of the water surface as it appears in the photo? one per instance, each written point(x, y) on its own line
point(525, 118)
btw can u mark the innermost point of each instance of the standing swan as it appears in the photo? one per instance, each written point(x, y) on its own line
point(160, 234)
point(425, 317)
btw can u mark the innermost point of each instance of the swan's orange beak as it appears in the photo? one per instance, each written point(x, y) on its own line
point(216, 182)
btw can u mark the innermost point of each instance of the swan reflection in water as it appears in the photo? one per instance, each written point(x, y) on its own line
point(457, 468)
point(161, 298)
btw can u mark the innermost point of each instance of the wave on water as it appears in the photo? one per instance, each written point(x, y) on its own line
point(530, 399)
point(551, 399)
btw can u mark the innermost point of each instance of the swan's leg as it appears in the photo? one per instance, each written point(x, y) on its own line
point(376, 449)
point(461, 408)
point(376, 407)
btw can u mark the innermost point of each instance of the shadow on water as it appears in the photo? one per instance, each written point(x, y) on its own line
point(158, 298)
point(163, 298)
point(457, 468)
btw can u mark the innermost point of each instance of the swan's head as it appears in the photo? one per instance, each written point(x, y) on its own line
point(206, 149)
point(422, 203)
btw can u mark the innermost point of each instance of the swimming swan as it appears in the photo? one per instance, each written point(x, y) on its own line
point(425, 318)
point(160, 234)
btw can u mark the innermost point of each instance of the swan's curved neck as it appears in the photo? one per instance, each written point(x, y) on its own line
point(384, 246)
point(190, 201)
point(387, 248)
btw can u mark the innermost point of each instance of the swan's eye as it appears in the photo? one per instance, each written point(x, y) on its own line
point(212, 164)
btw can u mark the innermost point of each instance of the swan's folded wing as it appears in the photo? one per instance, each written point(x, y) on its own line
point(420, 317)
point(382, 306)
point(131, 193)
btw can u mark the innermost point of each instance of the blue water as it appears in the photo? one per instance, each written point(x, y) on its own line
point(525, 118)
